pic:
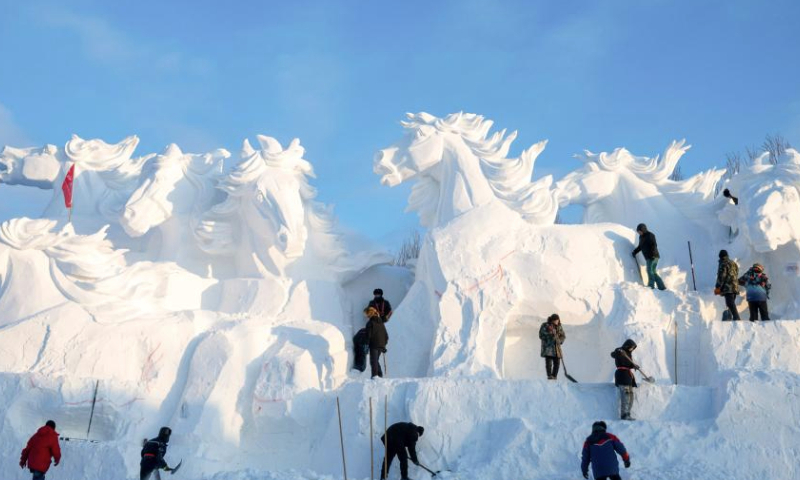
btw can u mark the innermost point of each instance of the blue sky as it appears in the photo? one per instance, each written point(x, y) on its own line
point(341, 74)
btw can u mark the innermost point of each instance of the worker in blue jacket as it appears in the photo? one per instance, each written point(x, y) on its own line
point(601, 449)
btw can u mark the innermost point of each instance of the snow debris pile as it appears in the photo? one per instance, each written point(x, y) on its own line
point(221, 301)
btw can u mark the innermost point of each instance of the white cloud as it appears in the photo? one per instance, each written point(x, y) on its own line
point(11, 133)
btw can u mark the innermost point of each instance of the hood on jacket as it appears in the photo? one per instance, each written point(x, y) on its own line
point(641, 228)
point(629, 345)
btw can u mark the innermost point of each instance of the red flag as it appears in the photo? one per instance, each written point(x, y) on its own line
point(66, 187)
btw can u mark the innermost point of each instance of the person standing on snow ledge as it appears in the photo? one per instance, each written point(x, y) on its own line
point(380, 304)
point(40, 448)
point(623, 377)
point(727, 276)
point(402, 436)
point(649, 248)
point(153, 452)
point(600, 449)
point(552, 336)
point(378, 338)
point(757, 286)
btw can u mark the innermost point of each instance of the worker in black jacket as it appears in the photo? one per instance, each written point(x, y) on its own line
point(649, 248)
point(401, 436)
point(380, 304)
point(623, 377)
point(153, 452)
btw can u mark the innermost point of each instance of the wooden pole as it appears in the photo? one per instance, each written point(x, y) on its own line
point(94, 400)
point(371, 452)
point(385, 436)
point(676, 351)
point(341, 437)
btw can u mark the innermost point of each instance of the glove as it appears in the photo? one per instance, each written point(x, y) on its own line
point(383, 350)
point(627, 464)
point(416, 462)
point(21, 464)
point(167, 469)
point(55, 464)
point(633, 254)
point(717, 291)
point(586, 475)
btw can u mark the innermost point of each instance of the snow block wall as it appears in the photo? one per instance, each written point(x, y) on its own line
point(222, 301)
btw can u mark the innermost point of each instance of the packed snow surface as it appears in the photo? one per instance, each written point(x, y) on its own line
point(217, 296)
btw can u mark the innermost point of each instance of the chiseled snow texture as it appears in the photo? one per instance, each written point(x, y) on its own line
point(215, 295)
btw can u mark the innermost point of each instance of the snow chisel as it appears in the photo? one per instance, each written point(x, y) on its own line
point(561, 356)
point(176, 468)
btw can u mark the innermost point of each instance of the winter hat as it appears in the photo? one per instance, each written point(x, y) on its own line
point(599, 426)
point(420, 431)
point(553, 317)
point(377, 291)
point(51, 424)
point(165, 433)
point(629, 344)
point(758, 267)
point(641, 228)
point(723, 253)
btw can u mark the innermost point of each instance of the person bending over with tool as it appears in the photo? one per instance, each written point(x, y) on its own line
point(400, 437)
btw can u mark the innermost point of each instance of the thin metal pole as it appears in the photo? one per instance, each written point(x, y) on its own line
point(91, 413)
point(69, 219)
point(385, 436)
point(371, 452)
point(385, 367)
point(691, 261)
point(341, 438)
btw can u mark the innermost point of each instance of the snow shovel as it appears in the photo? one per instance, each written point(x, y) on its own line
point(433, 474)
point(646, 378)
point(561, 356)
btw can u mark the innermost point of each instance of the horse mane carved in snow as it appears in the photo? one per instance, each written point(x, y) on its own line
point(458, 166)
point(270, 219)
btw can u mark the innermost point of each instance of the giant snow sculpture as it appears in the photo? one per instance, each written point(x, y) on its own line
point(765, 225)
point(186, 284)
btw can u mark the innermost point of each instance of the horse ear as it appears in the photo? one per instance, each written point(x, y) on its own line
point(270, 144)
point(172, 150)
point(247, 149)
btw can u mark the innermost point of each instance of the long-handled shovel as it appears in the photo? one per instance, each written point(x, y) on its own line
point(561, 356)
point(433, 474)
point(646, 378)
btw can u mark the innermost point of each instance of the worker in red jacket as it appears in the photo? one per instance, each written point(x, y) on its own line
point(42, 446)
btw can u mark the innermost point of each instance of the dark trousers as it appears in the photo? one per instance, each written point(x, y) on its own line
point(551, 364)
point(730, 302)
point(610, 477)
point(375, 362)
point(756, 308)
point(37, 475)
point(401, 455)
point(145, 472)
